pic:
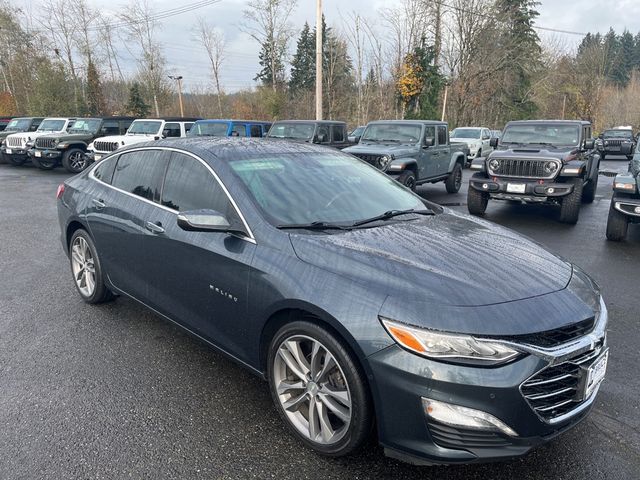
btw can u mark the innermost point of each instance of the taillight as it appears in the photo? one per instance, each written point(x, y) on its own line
point(60, 191)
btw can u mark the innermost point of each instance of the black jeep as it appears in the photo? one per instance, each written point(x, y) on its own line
point(70, 148)
point(538, 161)
point(329, 133)
point(625, 203)
point(614, 141)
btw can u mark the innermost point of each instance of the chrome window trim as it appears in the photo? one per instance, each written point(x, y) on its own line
point(250, 239)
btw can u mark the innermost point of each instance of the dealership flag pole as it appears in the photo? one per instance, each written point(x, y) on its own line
point(319, 60)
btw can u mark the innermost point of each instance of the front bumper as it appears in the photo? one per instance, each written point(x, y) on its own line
point(402, 379)
point(526, 190)
point(13, 151)
point(627, 206)
point(48, 154)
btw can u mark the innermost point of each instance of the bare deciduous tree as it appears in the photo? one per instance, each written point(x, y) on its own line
point(215, 44)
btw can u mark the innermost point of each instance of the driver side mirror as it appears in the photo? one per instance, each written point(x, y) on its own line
point(357, 139)
point(493, 142)
point(206, 221)
point(429, 142)
point(589, 144)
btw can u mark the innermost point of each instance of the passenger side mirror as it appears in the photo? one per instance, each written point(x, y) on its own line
point(429, 142)
point(493, 142)
point(357, 139)
point(589, 144)
point(206, 221)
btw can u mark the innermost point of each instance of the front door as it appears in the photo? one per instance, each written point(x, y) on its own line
point(428, 156)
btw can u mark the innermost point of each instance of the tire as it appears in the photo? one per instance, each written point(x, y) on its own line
point(477, 201)
point(350, 416)
point(86, 269)
point(75, 160)
point(16, 160)
point(602, 156)
point(570, 207)
point(629, 157)
point(454, 180)
point(617, 225)
point(589, 192)
point(44, 163)
point(408, 179)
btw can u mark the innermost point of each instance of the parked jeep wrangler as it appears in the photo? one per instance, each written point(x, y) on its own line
point(229, 128)
point(17, 125)
point(323, 132)
point(625, 203)
point(538, 161)
point(18, 145)
point(612, 142)
point(413, 152)
point(70, 147)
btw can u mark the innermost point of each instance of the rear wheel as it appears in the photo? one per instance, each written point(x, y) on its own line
point(454, 180)
point(319, 389)
point(477, 201)
point(570, 207)
point(86, 269)
point(408, 179)
point(75, 160)
point(617, 225)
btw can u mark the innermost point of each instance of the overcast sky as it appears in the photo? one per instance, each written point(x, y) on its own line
point(184, 57)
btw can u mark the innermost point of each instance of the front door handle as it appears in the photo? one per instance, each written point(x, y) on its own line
point(154, 227)
point(99, 204)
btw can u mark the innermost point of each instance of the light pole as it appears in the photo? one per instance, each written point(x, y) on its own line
point(179, 80)
point(319, 60)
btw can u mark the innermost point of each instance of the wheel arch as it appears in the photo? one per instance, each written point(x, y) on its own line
point(72, 227)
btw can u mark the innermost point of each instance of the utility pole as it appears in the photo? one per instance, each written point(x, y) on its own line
point(319, 60)
point(564, 105)
point(444, 101)
point(179, 80)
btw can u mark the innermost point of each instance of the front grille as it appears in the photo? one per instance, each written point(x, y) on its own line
point(613, 143)
point(105, 146)
point(522, 168)
point(459, 438)
point(44, 142)
point(558, 389)
point(15, 142)
point(558, 336)
point(370, 159)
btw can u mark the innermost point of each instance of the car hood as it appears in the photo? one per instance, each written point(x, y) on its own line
point(32, 135)
point(529, 151)
point(396, 151)
point(122, 140)
point(468, 141)
point(446, 259)
point(69, 137)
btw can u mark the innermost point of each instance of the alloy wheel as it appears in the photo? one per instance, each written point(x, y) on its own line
point(83, 267)
point(312, 389)
point(77, 161)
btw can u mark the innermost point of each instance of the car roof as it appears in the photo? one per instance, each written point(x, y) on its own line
point(171, 119)
point(27, 118)
point(559, 122)
point(321, 122)
point(220, 120)
point(60, 118)
point(414, 122)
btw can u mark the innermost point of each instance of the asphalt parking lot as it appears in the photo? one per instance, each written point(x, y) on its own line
point(116, 392)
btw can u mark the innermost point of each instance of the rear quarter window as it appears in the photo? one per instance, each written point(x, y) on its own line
point(104, 170)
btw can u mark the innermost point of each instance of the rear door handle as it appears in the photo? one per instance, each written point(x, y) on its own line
point(154, 227)
point(99, 204)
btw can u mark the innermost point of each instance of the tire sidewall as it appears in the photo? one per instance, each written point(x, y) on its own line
point(66, 162)
point(99, 293)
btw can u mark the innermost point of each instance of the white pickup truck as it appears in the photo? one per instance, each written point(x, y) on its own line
point(476, 138)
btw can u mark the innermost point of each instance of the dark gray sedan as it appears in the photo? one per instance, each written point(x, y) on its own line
point(359, 302)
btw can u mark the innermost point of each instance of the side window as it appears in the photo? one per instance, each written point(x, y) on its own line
point(323, 134)
point(337, 133)
point(189, 185)
point(124, 126)
point(442, 135)
point(430, 132)
point(34, 126)
point(104, 170)
point(187, 127)
point(486, 135)
point(140, 173)
point(171, 130)
point(256, 130)
point(110, 127)
point(239, 130)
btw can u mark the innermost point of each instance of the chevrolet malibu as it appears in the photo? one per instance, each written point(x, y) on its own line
point(358, 301)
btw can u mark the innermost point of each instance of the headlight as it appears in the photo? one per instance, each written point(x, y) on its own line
point(383, 162)
point(448, 346)
point(61, 145)
point(29, 144)
point(494, 164)
point(550, 167)
point(624, 186)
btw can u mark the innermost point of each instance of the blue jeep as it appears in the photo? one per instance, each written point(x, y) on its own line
point(229, 128)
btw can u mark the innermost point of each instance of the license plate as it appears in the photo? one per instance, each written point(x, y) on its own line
point(97, 157)
point(516, 187)
point(38, 154)
point(8, 151)
point(595, 374)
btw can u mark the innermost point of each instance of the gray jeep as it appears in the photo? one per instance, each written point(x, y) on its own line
point(413, 152)
point(625, 203)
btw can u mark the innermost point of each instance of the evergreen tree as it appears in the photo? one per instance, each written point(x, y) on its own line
point(95, 98)
point(268, 60)
point(303, 75)
point(624, 61)
point(136, 105)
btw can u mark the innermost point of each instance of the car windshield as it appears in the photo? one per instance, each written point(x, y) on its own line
point(466, 133)
point(144, 127)
point(85, 125)
point(50, 125)
point(297, 130)
point(323, 187)
point(209, 129)
point(18, 125)
point(542, 134)
point(617, 134)
point(392, 132)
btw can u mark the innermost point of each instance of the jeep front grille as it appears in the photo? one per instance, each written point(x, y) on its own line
point(16, 142)
point(522, 168)
point(613, 143)
point(43, 142)
point(105, 146)
point(557, 390)
point(370, 159)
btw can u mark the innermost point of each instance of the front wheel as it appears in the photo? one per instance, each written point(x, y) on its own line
point(75, 160)
point(570, 207)
point(319, 389)
point(44, 163)
point(87, 269)
point(617, 225)
point(477, 201)
point(408, 179)
point(454, 180)
point(16, 160)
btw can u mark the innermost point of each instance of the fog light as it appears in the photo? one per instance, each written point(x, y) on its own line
point(464, 417)
point(637, 210)
point(485, 185)
point(551, 190)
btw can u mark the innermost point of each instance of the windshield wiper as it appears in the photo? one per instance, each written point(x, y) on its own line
point(390, 214)
point(317, 225)
point(390, 140)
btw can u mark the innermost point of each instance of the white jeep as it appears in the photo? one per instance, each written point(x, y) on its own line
point(17, 145)
point(476, 138)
